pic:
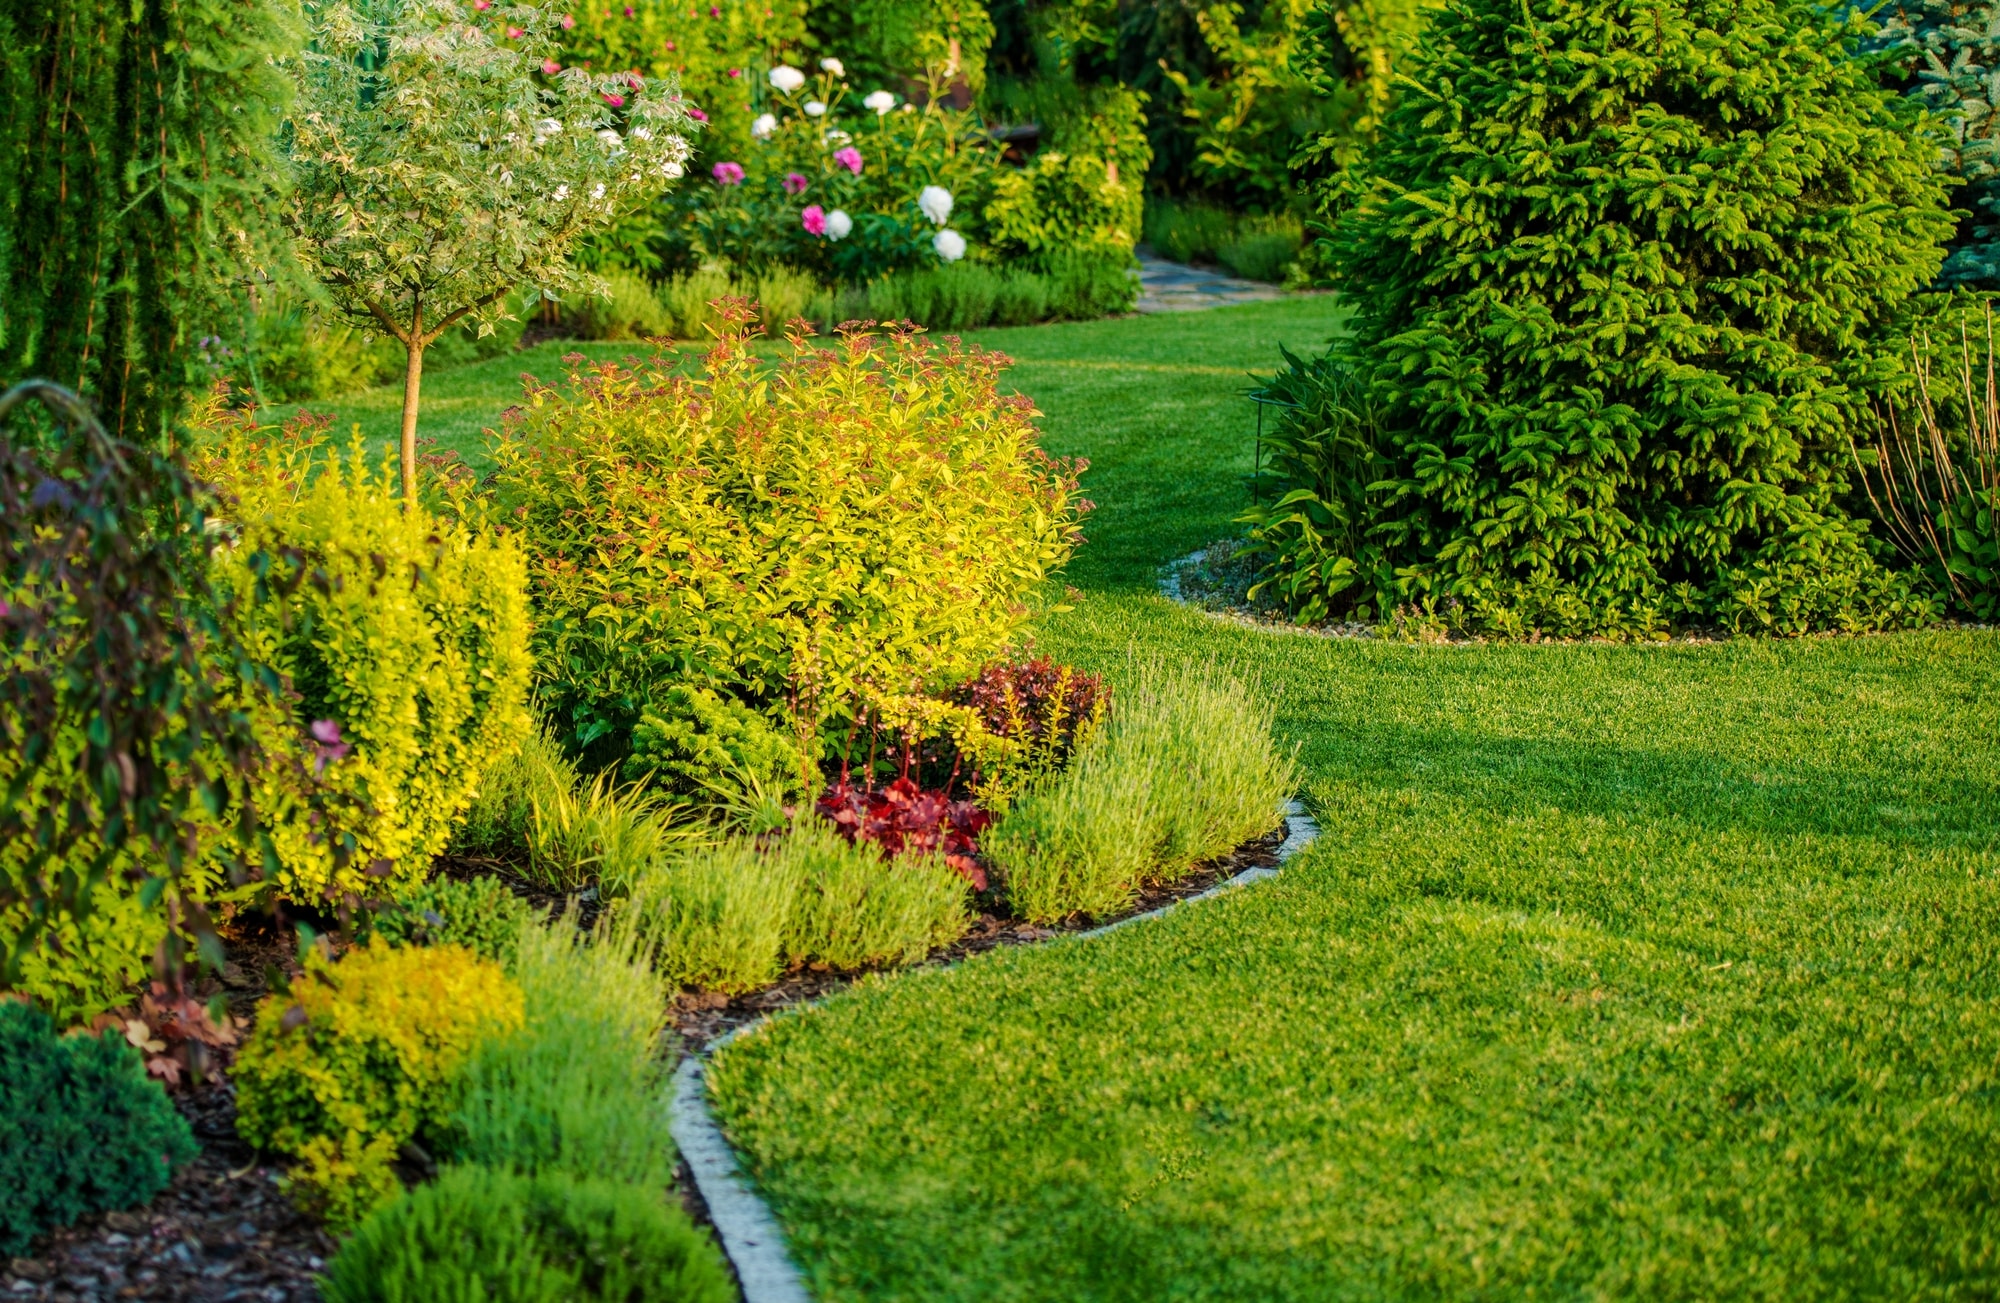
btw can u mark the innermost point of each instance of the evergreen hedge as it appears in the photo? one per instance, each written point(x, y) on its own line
point(1624, 273)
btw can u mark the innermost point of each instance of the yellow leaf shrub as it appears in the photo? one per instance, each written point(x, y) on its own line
point(362, 1057)
point(408, 632)
point(872, 513)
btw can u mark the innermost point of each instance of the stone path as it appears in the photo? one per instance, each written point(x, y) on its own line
point(1174, 287)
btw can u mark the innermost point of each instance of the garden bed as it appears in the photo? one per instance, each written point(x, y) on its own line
point(220, 1231)
point(701, 1017)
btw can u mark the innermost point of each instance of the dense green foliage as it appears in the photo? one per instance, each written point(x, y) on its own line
point(360, 1058)
point(1774, 860)
point(403, 638)
point(1258, 248)
point(1623, 272)
point(1949, 49)
point(875, 512)
point(137, 190)
point(1185, 770)
point(125, 754)
point(579, 1088)
point(732, 917)
point(898, 43)
point(82, 1130)
point(478, 914)
point(481, 1234)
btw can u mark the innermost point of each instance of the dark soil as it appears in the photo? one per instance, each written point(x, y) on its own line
point(701, 1017)
point(220, 1231)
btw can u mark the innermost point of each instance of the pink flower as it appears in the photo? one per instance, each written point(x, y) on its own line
point(515, 33)
point(551, 67)
point(713, 12)
point(615, 101)
point(568, 22)
point(795, 184)
point(698, 115)
point(328, 745)
point(635, 81)
point(728, 173)
point(670, 45)
point(814, 220)
point(735, 72)
point(629, 12)
point(849, 158)
point(482, 5)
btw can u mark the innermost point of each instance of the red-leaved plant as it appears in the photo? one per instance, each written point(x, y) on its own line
point(904, 817)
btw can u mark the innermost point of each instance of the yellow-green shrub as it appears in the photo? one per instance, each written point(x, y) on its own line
point(408, 631)
point(360, 1058)
point(872, 513)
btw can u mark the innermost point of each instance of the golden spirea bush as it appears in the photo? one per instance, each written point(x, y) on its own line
point(361, 1057)
point(876, 512)
point(402, 637)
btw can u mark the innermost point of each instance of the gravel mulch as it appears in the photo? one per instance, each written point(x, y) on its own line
point(702, 1017)
point(221, 1231)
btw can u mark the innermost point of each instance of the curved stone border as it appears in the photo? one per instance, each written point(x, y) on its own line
point(750, 1235)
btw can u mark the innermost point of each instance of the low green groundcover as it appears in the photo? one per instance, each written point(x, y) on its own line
point(1618, 972)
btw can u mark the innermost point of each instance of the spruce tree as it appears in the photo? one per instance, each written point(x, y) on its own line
point(137, 176)
point(1623, 271)
point(1950, 52)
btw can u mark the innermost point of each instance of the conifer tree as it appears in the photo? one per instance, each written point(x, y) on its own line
point(1623, 271)
point(136, 185)
point(1951, 52)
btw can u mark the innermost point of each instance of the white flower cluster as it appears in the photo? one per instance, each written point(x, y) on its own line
point(786, 79)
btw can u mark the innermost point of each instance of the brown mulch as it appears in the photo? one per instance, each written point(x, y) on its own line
point(701, 1017)
point(220, 1231)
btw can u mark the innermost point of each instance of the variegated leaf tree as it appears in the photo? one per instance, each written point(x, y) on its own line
point(442, 159)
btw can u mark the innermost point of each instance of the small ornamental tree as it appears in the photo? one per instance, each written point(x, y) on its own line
point(439, 166)
point(1622, 270)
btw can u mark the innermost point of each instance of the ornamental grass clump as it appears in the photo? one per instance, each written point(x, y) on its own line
point(787, 536)
point(580, 1087)
point(479, 1233)
point(1186, 769)
point(1624, 273)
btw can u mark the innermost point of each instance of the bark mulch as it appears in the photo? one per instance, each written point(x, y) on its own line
point(221, 1231)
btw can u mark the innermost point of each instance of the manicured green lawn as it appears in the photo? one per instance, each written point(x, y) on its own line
point(1650, 972)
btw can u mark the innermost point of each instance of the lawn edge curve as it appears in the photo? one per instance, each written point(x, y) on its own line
point(749, 1233)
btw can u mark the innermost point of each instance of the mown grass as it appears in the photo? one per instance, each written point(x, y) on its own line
point(1664, 972)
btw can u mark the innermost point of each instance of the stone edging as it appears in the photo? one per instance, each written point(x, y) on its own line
point(750, 1235)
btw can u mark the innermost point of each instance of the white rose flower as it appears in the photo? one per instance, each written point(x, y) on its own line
point(950, 245)
point(597, 192)
point(764, 126)
point(561, 193)
point(936, 203)
point(815, 109)
point(671, 170)
point(879, 100)
point(786, 79)
point(834, 66)
point(838, 224)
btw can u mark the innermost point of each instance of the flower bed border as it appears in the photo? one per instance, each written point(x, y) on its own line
point(750, 1235)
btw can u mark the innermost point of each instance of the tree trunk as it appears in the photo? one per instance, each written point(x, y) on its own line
point(413, 382)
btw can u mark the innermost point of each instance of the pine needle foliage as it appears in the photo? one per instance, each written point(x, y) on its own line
point(1623, 272)
point(137, 173)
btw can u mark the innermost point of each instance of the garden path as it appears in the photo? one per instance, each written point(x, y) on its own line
point(1175, 287)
